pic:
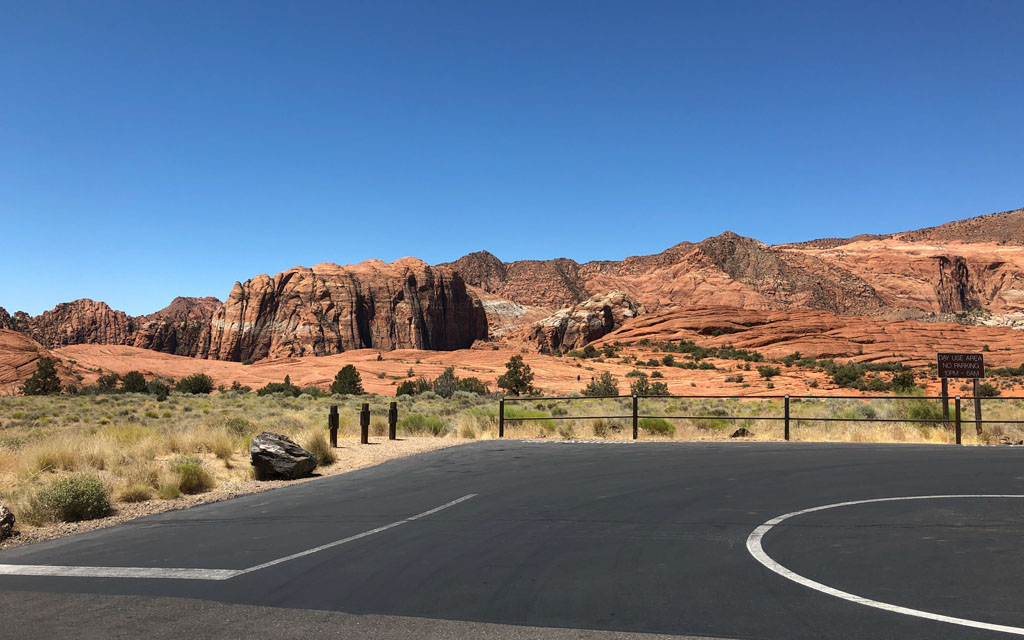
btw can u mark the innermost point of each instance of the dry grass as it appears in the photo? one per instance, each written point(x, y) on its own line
point(131, 442)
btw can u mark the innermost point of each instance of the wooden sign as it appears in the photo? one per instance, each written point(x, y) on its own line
point(961, 365)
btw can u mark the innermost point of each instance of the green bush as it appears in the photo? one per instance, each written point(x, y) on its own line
point(606, 385)
point(417, 423)
point(158, 389)
point(133, 382)
point(903, 382)
point(987, 390)
point(198, 383)
point(657, 426)
point(767, 371)
point(192, 477)
point(924, 410)
point(413, 387)
point(286, 387)
point(78, 497)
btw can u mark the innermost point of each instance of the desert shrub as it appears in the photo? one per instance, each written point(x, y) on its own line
point(473, 385)
point(768, 372)
point(44, 381)
point(192, 476)
point(566, 431)
point(70, 499)
point(108, 383)
point(133, 382)
point(413, 387)
point(417, 423)
point(197, 383)
point(657, 426)
point(347, 381)
point(168, 490)
point(158, 389)
point(987, 390)
point(446, 383)
point(286, 388)
point(239, 387)
point(600, 427)
point(903, 382)
point(316, 443)
point(924, 410)
point(605, 385)
point(846, 375)
point(136, 492)
point(239, 427)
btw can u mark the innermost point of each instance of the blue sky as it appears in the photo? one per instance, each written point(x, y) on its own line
point(152, 149)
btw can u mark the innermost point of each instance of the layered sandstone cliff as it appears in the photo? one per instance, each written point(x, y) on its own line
point(19, 357)
point(328, 309)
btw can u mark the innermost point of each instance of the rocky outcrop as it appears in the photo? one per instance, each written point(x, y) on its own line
point(19, 357)
point(819, 334)
point(181, 328)
point(6, 321)
point(82, 321)
point(954, 290)
point(576, 326)
point(277, 456)
point(328, 309)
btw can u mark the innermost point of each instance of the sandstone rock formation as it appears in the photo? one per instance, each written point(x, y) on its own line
point(328, 309)
point(82, 321)
point(181, 328)
point(574, 327)
point(277, 456)
point(19, 355)
point(776, 334)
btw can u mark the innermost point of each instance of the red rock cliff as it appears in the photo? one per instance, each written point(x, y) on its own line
point(328, 309)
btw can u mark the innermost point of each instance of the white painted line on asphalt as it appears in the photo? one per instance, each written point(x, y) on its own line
point(357, 536)
point(756, 550)
point(196, 574)
point(116, 572)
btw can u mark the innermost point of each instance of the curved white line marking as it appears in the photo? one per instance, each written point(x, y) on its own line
point(756, 550)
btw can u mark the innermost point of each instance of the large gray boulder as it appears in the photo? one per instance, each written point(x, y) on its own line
point(277, 456)
point(6, 521)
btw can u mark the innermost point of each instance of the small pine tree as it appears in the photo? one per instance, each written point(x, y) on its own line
point(518, 378)
point(347, 381)
point(44, 381)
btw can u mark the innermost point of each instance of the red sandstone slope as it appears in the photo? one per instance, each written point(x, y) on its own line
point(19, 356)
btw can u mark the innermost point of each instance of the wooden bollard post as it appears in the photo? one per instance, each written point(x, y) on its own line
point(332, 424)
point(364, 424)
point(393, 421)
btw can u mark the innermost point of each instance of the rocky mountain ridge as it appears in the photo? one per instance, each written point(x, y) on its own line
point(969, 271)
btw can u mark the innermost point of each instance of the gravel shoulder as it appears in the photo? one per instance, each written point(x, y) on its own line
point(351, 456)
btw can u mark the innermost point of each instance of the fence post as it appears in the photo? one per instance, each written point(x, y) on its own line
point(501, 418)
point(332, 424)
point(945, 402)
point(393, 421)
point(364, 424)
point(787, 418)
point(636, 424)
point(957, 409)
point(977, 407)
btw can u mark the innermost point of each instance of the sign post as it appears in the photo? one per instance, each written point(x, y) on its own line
point(962, 365)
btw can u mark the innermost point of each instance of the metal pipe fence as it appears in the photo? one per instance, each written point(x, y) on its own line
point(951, 420)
